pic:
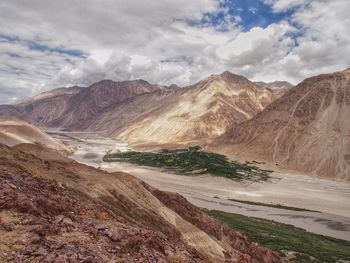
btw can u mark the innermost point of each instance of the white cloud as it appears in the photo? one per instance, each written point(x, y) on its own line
point(247, 41)
point(325, 45)
point(284, 5)
point(158, 41)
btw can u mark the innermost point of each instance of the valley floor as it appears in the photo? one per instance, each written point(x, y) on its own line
point(329, 197)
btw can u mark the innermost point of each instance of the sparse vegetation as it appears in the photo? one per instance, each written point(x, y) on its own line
point(271, 205)
point(192, 161)
point(302, 246)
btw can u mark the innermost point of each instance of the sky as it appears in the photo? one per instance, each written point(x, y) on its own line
point(51, 44)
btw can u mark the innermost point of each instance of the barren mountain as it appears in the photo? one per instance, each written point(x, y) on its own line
point(49, 94)
point(308, 129)
point(278, 88)
point(14, 131)
point(145, 114)
point(41, 111)
point(198, 112)
point(75, 106)
point(111, 120)
point(63, 211)
point(86, 105)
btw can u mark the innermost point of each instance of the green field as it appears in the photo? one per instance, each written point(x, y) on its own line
point(287, 239)
point(192, 161)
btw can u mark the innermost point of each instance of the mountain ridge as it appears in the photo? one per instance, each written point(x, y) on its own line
point(202, 110)
point(306, 130)
point(114, 108)
point(57, 111)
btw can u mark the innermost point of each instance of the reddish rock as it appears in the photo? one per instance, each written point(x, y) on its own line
point(43, 211)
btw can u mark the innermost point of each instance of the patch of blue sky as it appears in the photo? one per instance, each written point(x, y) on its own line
point(244, 13)
point(45, 48)
point(40, 47)
point(13, 55)
point(7, 38)
point(295, 35)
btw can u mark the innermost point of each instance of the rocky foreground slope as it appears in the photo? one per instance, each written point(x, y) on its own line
point(62, 211)
point(308, 129)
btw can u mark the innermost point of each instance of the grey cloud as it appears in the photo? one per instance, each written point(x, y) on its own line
point(11, 94)
point(152, 40)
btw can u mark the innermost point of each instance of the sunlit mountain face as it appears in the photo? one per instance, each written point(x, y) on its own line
point(165, 43)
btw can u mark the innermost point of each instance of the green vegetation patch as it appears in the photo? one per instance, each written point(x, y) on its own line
point(272, 205)
point(304, 247)
point(192, 161)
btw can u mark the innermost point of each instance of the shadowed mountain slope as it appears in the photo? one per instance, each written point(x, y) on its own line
point(64, 109)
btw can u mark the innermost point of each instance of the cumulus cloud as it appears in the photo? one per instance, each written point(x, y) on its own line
point(314, 40)
point(284, 5)
point(257, 46)
point(49, 44)
point(324, 45)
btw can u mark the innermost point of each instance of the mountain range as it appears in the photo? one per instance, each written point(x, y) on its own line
point(144, 114)
point(199, 112)
point(54, 209)
point(302, 127)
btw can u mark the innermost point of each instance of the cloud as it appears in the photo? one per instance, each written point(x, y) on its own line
point(284, 5)
point(45, 44)
point(325, 44)
point(314, 40)
point(11, 94)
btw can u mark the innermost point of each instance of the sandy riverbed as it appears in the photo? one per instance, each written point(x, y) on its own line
point(331, 198)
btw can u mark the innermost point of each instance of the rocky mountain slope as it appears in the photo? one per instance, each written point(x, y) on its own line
point(113, 119)
point(308, 129)
point(70, 107)
point(14, 131)
point(199, 112)
point(49, 94)
point(278, 88)
point(62, 211)
point(87, 104)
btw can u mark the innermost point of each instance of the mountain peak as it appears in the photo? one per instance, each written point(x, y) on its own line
point(228, 76)
point(231, 77)
point(226, 72)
